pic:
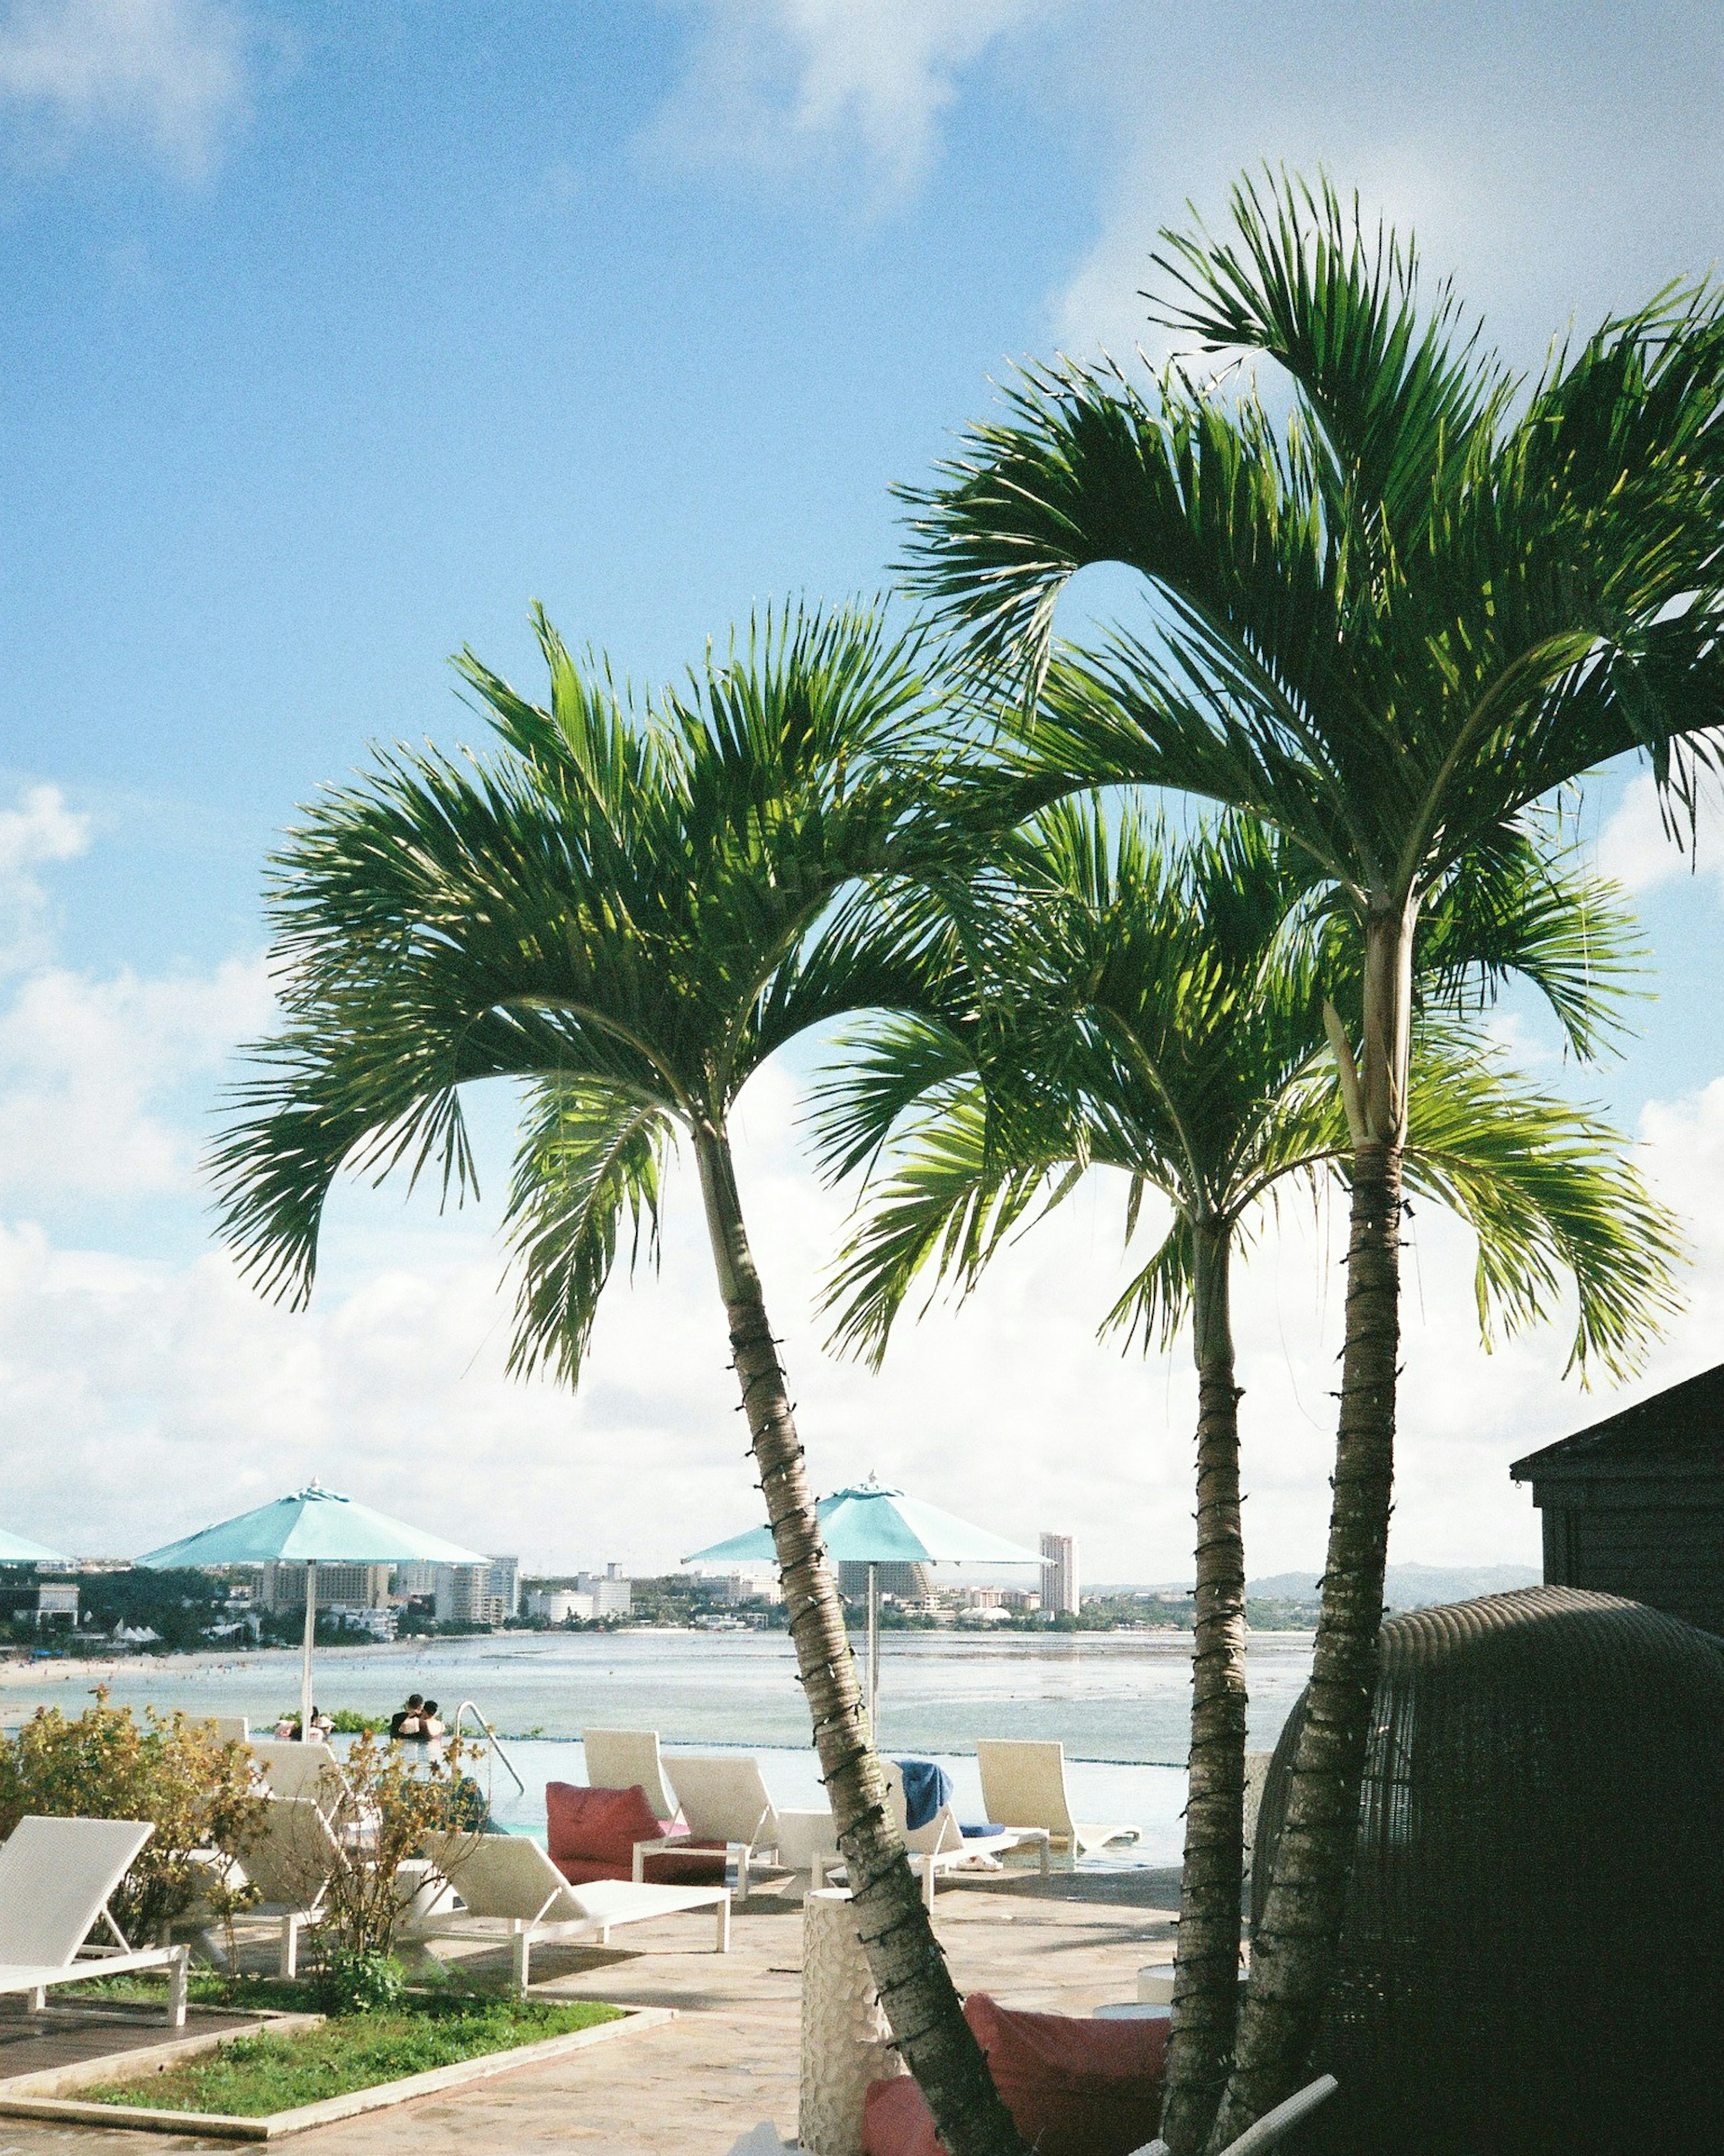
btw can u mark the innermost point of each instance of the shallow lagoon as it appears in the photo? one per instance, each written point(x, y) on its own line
point(1117, 1701)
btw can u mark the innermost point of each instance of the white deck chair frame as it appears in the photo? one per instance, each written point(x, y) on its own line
point(723, 1798)
point(506, 1881)
point(292, 1864)
point(57, 1878)
point(1024, 1785)
point(628, 1759)
point(1274, 2127)
point(940, 1845)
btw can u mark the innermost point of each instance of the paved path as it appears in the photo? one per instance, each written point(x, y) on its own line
point(690, 2088)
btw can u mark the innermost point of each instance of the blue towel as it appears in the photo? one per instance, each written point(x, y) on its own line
point(986, 1826)
point(926, 1787)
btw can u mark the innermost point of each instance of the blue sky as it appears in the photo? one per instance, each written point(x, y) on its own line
point(332, 336)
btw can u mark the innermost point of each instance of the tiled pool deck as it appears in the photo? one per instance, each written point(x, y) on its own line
point(1068, 1944)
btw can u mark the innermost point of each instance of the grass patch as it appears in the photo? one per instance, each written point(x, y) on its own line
point(254, 2076)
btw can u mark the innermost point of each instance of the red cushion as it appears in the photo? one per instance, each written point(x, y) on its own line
point(694, 1864)
point(593, 1833)
point(897, 2120)
point(598, 1826)
point(1075, 2087)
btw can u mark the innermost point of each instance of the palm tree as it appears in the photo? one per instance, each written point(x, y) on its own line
point(627, 913)
point(1154, 1010)
point(1390, 620)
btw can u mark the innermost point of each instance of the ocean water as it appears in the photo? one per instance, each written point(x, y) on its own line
point(1118, 1701)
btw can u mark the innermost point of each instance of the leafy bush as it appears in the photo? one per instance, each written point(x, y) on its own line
point(103, 1763)
point(392, 1803)
point(349, 1983)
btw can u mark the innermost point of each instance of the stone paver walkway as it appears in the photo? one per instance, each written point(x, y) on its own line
point(690, 2088)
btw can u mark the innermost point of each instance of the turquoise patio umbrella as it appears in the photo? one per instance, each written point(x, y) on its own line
point(313, 1526)
point(873, 1525)
point(19, 1549)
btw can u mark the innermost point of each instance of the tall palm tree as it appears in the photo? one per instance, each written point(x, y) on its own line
point(1391, 614)
point(1155, 1010)
point(626, 912)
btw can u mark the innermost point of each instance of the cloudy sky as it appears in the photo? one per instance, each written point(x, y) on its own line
point(332, 336)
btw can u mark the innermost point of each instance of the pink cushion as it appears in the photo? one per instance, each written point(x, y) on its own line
point(1073, 2085)
point(591, 1834)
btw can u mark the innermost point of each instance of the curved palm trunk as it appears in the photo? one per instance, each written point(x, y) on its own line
point(1294, 1950)
point(1205, 1968)
point(908, 1966)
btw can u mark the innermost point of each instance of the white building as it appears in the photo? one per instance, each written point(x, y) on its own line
point(488, 1594)
point(731, 1587)
point(555, 1605)
point(57, 1600)
point(613, 1595)
point(1059, 1574)
point(339, 1586)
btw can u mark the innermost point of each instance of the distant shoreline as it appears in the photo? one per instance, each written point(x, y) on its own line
point(20, 1673)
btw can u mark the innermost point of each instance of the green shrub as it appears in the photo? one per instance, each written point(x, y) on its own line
point(349, 1983)
point(103, 1764)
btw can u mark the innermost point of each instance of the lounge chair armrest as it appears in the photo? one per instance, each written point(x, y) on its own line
point(660, 1845)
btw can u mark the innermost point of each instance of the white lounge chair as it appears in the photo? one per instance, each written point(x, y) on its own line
point(723, 1799)
point(1274, 2127)
point(1024, 1785)
point(505, 1880)
point(292, 1864)
point(56, 1876)
point(628, 1759)
point(312, 1771)
point(939, 1844)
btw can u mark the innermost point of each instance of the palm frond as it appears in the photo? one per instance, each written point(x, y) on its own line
point(951, 1201)
point(1559, 1208)
point(586, 1159)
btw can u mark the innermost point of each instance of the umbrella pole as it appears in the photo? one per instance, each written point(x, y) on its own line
point(874, 1652)
point(306, 1668)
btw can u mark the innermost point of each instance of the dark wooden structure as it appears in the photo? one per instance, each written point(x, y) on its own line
point(1531, 1959)
point(1635, 1505)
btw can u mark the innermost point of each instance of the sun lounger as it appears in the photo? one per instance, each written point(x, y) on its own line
point(291, 1864)
point(312, 1771)
point(939, 1844)
point(628, 1759)
point(56, 1876)
point(228, 1728)
point(940, 1847)
point(1274, 2127)
point(723, 1801)
point(506, 1880)
point(1023, 1784)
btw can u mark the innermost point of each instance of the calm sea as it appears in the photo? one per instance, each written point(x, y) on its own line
point(1118, 1701)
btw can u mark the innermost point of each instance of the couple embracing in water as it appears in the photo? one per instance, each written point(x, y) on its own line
point(417, 1721)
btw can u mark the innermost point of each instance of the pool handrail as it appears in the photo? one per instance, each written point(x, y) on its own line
point(491, 1737)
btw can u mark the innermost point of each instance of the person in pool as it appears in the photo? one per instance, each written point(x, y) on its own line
point(409, 1722)
point(430, 1726)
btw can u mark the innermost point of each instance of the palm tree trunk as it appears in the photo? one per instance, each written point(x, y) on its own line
point(1293, 1952)
point(1206, 1971)
point(909, 1967)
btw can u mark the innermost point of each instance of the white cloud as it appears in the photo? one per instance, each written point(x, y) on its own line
point(1635, 848)
point(92, 1073)
point(1535, 163)
point(173, 73)
point(393, 1385)
point(775, 84)
point(39, 830)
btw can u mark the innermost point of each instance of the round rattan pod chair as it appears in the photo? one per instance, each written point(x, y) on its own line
point(1532, 1955)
